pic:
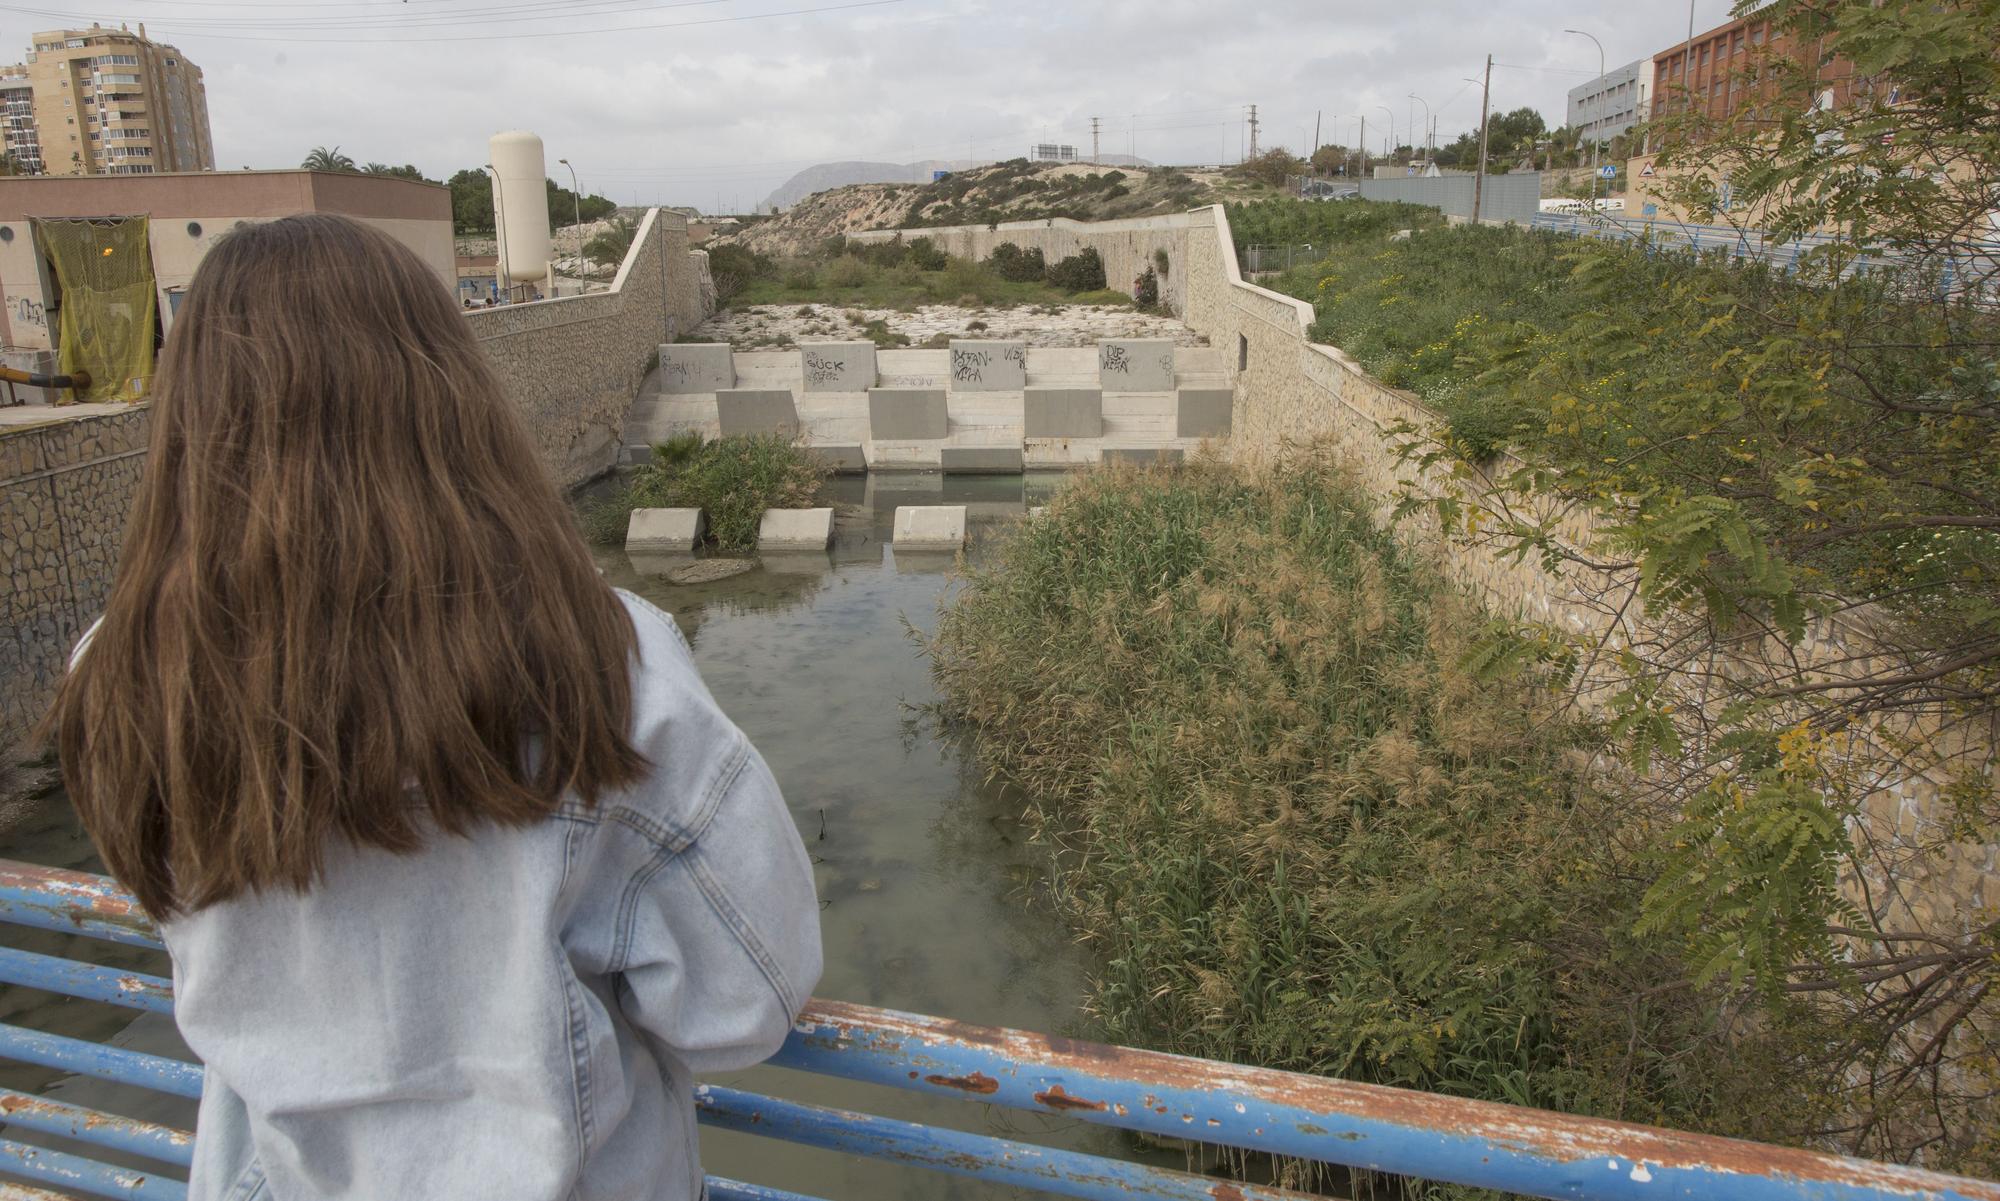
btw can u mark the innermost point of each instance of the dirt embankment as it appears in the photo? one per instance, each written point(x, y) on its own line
point(1010, 191)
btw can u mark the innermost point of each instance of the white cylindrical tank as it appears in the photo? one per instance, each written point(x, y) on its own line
point(520, 204)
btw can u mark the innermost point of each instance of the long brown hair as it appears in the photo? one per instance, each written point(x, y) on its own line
point(351, 603)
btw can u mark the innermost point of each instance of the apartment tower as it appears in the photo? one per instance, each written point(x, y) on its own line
point(108, 102)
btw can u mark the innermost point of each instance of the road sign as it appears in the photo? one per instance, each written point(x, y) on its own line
point(1646, 171)
point(1608, 171)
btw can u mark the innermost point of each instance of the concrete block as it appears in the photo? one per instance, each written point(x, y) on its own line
point(1135, 364)
point(665, 530)
point(837, 366)
point(697, 367)
point(756, 411)
point(1143, 456)
point(930, 527)
point(980, 460)
point(795, 529)
point(1062, 413)
point(1203, 412)
point(906, 414)
point(635, 456)
point(845, 460)
point(987, 366)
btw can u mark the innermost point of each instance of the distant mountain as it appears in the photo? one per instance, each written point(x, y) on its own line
point(822, 176)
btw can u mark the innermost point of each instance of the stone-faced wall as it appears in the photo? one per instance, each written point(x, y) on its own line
point(65, 488)
point(572, 365)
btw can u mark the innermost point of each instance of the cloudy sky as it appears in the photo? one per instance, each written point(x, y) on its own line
point(715, 102)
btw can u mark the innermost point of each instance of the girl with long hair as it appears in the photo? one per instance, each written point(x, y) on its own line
point(463, 871)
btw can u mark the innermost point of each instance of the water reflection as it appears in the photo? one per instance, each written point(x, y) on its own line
point(931, 889)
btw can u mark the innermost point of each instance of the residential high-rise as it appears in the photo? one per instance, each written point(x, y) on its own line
point(17, 120)
point(107, 102)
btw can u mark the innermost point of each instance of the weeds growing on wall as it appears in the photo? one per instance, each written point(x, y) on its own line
point(1300, 831)
point(732, 479)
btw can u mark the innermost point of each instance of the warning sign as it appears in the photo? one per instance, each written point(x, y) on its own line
point(1646, 171)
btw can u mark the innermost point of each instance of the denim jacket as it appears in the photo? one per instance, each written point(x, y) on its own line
point(518, 1013)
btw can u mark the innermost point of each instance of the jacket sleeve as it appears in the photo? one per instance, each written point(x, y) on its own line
point(722, 947)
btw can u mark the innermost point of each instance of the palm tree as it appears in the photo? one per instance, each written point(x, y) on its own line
point(324, 159)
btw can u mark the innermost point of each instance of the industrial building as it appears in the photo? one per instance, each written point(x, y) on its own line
point(103, 101)
point(152, 231)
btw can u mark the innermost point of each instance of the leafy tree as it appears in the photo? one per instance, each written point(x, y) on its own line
point(471, 200)
point(1331, 160)
point(406, 171)
point(1793, 480)
point(325, 158)
point(565, 207)
point(1272, 167)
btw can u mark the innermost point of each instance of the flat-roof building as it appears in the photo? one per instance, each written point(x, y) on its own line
point(1609, 105)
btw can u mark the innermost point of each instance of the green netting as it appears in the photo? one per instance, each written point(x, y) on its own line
point(105, 269)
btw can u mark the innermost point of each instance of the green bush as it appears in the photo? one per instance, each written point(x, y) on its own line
point(732, 479)
point(1146, 289)
point(1010, 262)
point(1080, 272)
point(925, 254)
point(1307, 836)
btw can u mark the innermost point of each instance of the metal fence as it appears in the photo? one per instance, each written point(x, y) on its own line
point(1973, 271)
point(1476, 1143)
point(1258, 259)
point(1516, 196)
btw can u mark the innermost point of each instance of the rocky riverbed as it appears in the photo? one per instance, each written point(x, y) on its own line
point(776, 326)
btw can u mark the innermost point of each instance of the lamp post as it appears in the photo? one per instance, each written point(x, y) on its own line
point(1389, 139)
point(1600, 108)
point(576, 194)
point(500, 229)
point(1427, 125)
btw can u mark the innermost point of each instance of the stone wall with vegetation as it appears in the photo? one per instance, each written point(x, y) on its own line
point(1291, 391)
point(1128, 247)
point(65, 488)
point(573, 364)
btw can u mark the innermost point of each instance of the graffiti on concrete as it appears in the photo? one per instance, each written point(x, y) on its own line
point(820, 369)
point(1115, 360)
point(30, 312)
point(969, 366)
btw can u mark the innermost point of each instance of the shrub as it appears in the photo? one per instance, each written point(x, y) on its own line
point(1307, 835)
point(925, 254)
point(1010, 262)
point(1080, 272)
point(846, 272)
point(733, 479)
point(1146, 289)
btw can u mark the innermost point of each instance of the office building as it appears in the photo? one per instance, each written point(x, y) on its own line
point(1611, 104)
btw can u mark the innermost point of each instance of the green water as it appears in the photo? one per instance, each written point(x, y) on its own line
point(932, 895)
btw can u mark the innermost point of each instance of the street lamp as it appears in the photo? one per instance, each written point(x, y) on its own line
point(1390, 152)
point(1427, 125)
point(500, 229)
point(576, 194)
point(1600, 108)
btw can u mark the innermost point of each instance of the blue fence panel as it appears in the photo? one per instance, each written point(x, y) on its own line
point(1486, 1145)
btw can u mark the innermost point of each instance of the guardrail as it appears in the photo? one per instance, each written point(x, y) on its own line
point(1477, 1143)
point(1973, 271)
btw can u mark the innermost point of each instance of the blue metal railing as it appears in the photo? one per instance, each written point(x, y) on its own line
point(1370, 1127)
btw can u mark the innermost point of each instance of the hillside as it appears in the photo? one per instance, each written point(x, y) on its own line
point(823, 177)
point(1012, 191)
